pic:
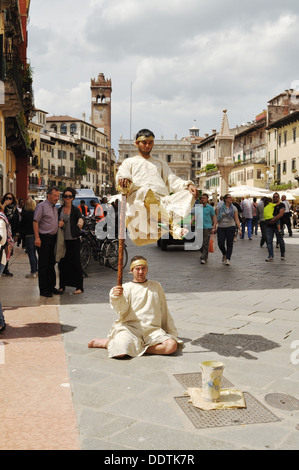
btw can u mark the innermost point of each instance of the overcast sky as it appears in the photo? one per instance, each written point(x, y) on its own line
point(187, 60)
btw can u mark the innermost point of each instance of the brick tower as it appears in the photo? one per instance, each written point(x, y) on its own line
point(101, 90)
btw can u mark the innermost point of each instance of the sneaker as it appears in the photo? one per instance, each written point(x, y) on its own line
point(223, 258)
point(202, 261)
point(269, 259)
point(282, 258)
point(227, 262)
point(31, 275)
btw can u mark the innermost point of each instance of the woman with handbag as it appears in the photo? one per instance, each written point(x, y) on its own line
point(227, 218)
point(71, 222)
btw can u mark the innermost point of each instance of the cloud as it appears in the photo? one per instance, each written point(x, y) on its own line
point(186, 59)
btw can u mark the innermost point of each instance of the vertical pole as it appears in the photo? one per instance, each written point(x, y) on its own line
point(130, 153)
point(121, 240)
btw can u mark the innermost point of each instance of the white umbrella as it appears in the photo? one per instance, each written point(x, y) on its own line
point(293, 192)
point(251, 191)
point(289, 196)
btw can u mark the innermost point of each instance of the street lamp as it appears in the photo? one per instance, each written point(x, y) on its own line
point(103, 187)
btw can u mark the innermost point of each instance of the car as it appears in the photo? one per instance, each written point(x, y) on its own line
point(189, 242)
point(87, 200)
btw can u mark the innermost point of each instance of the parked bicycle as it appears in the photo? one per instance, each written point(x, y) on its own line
point(104, 251)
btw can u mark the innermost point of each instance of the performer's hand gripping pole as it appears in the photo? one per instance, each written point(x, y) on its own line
point(121, 241)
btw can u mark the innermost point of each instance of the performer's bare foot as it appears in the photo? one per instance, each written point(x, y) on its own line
point(98, 343)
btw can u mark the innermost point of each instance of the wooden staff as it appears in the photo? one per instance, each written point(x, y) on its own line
point(121, 239)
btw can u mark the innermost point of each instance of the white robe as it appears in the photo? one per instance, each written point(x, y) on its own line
point(143, 319)
point(169, 194)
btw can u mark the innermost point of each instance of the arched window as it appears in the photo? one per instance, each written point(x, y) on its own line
point(63, 129)
point(54, 128)
point(73, 128)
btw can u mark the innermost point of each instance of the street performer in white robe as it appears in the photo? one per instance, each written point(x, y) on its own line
point(144, 324)
point(157, 199)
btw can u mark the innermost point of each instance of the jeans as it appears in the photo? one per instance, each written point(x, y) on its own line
point(255, 224)
point(263, 226)
point(31, 252)
point(247, 222)
point(287, 219)
point(226, 235)
point(271, 230)
point(2, 321)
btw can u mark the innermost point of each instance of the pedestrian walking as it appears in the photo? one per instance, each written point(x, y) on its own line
point(206, 222)
point(27, 233)
point(246, 207)
point(45, 226)
point(263, 224)
point(255, 219)
point(273, 213)
point(287, 215)
point(237, 205)
point(227, 219)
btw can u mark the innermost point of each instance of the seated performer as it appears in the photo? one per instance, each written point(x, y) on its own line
point(157, 199)
point(144, 324)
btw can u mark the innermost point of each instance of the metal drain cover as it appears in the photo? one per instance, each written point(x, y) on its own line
point(254, 412)
point(282, 401)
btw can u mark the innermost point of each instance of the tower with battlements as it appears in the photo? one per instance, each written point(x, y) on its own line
point(101, 90)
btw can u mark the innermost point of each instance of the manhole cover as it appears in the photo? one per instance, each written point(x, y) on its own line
point(255, 412)
point(282, 401)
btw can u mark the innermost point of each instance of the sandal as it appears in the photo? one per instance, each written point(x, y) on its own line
point(78, 291)
point(61, 289)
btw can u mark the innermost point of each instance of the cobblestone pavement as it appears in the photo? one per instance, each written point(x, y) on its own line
point(245, 315)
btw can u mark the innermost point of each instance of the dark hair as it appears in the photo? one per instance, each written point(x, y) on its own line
point(70, 190)
point(145, 133)
point(225, 197)
point(205, 194)
point(266, 201)
point(82, 201)
point(53, 188)
point(14, 201)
